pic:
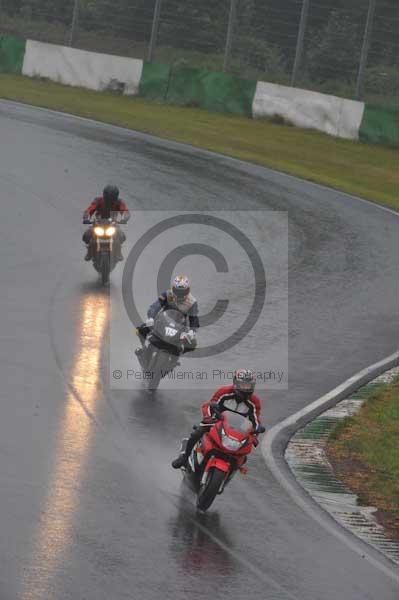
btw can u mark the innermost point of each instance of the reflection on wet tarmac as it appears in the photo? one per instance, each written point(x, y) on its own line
point(54, 528)
point(191, 543)
point(153, 412)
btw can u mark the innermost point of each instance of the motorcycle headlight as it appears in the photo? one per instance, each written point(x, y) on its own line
point(230, 443)
point(110, 231)
point(99, 231)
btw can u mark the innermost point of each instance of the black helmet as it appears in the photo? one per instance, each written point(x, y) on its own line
point(244, 381)
point(110, 194)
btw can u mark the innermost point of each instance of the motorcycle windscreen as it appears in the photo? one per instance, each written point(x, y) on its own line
point(168, 326)
point(239, 423)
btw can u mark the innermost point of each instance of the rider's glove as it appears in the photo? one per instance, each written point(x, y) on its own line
point(188, 336)
point(149, 322)
point(214, 410)
point(259, 429)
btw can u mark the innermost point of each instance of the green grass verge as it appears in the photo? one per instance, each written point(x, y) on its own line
point(365, 450)
point(367, 171)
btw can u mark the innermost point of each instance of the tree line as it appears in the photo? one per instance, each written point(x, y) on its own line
point(265, 31)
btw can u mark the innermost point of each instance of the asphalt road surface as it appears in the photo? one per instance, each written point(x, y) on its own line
point(90, 508)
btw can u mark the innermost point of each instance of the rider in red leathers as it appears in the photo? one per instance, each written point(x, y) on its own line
point(239, 397)
point(105, 207)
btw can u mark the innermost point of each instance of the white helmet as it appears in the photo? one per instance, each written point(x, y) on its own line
point(244, 382)
point(181, 287)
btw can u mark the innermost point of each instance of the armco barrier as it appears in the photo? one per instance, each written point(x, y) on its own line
point(380, 126)
point(12, 51)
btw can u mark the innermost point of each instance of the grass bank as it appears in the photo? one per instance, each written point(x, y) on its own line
point(367, 171)
point(364, 451)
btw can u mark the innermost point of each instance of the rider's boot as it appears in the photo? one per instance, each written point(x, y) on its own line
point(118, 251)
point(140, 356)
point(88, 253)
point(180, 461)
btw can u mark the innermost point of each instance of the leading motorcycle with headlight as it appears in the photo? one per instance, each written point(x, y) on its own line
point(104, 251)
point(219, 455)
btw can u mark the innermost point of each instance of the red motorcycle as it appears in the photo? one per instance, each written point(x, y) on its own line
point(221, 452)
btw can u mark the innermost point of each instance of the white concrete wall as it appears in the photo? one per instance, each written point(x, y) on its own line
point(80, 68)
point(310, 110)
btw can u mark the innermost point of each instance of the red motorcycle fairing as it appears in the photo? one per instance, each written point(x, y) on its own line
point(221, 452)
point(212, 440)
point(217, 463)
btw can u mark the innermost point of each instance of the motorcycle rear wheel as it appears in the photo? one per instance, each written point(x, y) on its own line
point(209, 490)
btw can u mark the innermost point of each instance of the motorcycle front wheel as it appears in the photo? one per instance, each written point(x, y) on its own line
point(155, 369)
point(209, 490)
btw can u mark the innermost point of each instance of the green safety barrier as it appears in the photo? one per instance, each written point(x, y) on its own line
point(187, 86)
point(154, 81)
point(12, 52)
point(380, 125)
point(211, 90)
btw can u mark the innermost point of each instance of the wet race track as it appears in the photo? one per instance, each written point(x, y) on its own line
point(90, 508)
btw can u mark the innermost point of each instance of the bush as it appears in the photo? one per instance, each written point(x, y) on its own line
point(382, 80)
point(335, 50)
point(263, 58)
